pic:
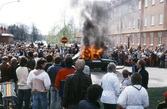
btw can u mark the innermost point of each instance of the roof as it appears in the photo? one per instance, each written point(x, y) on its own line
point(6, 34)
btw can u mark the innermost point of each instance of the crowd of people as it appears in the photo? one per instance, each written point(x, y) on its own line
point(154, 57)
point(47, 76)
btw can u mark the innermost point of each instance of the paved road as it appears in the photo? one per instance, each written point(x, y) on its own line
point(157, 76)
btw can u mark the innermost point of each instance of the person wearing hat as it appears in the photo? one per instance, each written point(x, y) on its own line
point(163, 104)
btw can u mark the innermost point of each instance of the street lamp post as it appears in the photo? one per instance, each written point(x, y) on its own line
point(8, 3)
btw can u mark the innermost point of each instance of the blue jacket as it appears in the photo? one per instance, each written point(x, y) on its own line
point(52, 72)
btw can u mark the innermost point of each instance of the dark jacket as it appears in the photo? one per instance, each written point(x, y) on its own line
point(75, 88)
point(145, 77)
point(31, 64)
point(88, 104)
point(5, 74)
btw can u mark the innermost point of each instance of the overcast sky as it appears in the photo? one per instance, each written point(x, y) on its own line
point(43, 13)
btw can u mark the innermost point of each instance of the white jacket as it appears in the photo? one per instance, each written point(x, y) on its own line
point(39, 81)
point(134, 97)
point(111, 88)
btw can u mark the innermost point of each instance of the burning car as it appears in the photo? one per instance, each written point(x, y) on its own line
point(93, 58)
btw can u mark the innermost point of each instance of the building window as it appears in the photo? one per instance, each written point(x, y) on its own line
point(152, 20)
point(121, 39)
point(133, 39)
point(138, 39)
point(161, 1)
point(160, 18)
point(144, 40)
point(125, 39)
point(151, 40)
point(134, 23)
point(130, 8)
point(159, 39)
point(129, 24)
point(146, 3)
point(117, 26)
point(153, 2)
point(140, 4)
point(138, 23)
point(145, 21)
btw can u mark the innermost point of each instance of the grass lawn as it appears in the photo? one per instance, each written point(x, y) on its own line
point(155, 96)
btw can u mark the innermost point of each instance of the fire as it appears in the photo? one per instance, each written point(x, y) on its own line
point(91, 53)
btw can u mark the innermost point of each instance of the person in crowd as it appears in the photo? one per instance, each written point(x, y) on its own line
point(76, 85)
point(22, 52)
point(61, 75)
point(134, 66)
point(52, 72)
point(134, 96)
point(31, 62)
point(111, 87)
point(35, 54)
point(39, 82)
point(11, 67)
point(76, 49)
point(93, 94)
point(163, 104)
point(49, 59)
point(141, 69)
point(40, 53)
point(5, 74)
point(126, 81)
point(24, 91)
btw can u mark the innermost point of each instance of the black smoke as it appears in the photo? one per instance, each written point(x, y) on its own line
point(96, 23)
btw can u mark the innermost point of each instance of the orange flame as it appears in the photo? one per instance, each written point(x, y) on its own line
point(91, 53)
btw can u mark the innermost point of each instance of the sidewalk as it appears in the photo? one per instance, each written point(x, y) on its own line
point(157, 76)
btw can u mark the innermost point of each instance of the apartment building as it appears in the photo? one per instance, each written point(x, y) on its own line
point(135, 22)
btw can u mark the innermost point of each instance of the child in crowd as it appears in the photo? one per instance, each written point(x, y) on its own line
point(126, 81)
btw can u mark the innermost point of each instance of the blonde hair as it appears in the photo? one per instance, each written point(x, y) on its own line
point(79, 64)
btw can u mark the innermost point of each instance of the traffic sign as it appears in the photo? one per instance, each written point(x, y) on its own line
point(64, 40)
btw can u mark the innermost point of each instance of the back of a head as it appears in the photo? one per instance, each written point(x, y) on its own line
point(30, 54)
point(23, 61)
point(80, 64)
point(111, 66)
point(136, 79)
point(13, 61)
point(40, 62)
point(125, 73)
point(49, 58)
point(68, 61)
point(94, 92)
point(57, 60)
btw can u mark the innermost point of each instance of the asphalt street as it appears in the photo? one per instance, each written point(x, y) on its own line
point(157, 76)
